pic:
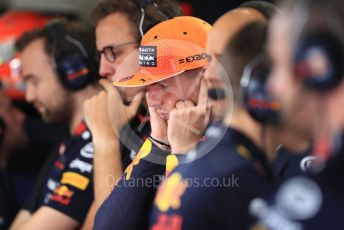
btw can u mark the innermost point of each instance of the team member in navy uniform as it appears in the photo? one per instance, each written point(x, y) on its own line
point(214, 190)
point(58, 67)
point(138, 185)
point(314, 202)
point(119, 127)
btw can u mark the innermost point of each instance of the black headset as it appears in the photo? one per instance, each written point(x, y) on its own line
point(265, 8)
point(319, 51)
point(256, 99)
point(254, 96)
point(160, 16)
point(74, 68)
point(258, 102)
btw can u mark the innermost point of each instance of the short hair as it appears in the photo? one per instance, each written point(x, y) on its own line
point(131, 10)
point(324, 16)
point(73, 28)
point(247, 44)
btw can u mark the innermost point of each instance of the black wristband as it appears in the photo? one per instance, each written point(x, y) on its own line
point(159, 142)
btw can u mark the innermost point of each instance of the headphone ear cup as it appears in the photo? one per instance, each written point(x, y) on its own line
point(258, 102)
point(319, 60)
point(74, 71)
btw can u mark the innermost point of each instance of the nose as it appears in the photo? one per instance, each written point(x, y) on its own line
point(30, 93)
point(106, 68)
point(272, 83)
point(212, 74)
point(154, 95)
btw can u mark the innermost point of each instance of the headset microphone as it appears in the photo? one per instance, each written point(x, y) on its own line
point(216, 93)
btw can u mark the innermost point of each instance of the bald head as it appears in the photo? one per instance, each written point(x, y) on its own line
point(228, 25)
point(224, 29)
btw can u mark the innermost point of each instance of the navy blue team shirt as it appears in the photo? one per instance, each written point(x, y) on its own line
point(312, 200)
point(66, 182)
point(129, 204)
point(214, 191)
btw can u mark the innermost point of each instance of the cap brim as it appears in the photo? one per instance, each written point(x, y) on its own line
point(141, 79)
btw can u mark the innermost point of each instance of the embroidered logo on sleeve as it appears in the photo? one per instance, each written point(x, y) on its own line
point(81, 165)
point(75, 180)
point(62, 195)
point(87, 150)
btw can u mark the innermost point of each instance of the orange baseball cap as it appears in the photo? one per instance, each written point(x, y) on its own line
point(168, 49)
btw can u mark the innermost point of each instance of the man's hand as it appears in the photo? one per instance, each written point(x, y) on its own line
point(119, 114)
point(187, 122)
point(158, 125)
point(97, 119)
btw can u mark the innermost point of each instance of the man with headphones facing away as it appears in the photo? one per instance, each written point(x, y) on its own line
point(306, 46)
point(59, 69)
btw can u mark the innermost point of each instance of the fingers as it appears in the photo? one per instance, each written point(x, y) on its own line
point(135, 104)
point(106, 84)
point(112, 91)
point(203, 95)
point(189, 104)
point(95, 108)
point(180, 106)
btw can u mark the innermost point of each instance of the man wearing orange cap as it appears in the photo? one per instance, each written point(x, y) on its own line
point(220, 177)
point(172, 62)
point(173, 49)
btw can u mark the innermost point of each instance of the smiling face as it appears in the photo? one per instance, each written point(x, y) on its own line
point(44, 90)
point(165, 94)
point(115, 30)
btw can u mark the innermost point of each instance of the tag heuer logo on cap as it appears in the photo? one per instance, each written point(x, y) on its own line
point(147, 56)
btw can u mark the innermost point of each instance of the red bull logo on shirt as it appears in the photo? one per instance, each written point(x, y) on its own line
point(170, 192)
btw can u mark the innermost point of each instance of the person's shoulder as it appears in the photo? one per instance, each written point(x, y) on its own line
point(223, 148)
point(289, 164)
